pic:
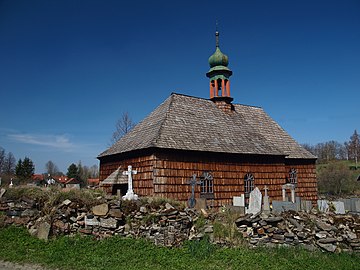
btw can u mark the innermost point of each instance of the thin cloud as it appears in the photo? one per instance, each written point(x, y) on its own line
point(61, 142)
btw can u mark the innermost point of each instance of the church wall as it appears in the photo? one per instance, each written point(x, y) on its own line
point(306, 187)
point(167, 173)
point(142, 181)
point(173, 171)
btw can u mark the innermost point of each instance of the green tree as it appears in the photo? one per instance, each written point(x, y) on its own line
point(336, 178)
point(73, 171)
point(19, 169)
point(24, 170)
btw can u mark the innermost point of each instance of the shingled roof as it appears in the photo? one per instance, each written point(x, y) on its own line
point(197, 124)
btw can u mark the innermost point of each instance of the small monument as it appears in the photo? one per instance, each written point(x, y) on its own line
point(130, 195)
point(255, 202)
point(266, 204)
point(292, 189)
point(11, 183)
point(193, 183)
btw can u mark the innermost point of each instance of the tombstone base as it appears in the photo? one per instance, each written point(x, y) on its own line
point(130, 196)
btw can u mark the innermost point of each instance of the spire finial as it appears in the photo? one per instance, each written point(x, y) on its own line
point(217, 34)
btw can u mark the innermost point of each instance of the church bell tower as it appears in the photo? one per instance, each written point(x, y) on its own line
point(219, 75)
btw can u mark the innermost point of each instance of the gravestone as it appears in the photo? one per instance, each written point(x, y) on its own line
point(323, 205)
point(239, 200)
point(306, 206)
point(339, 207)
point(298, 203)
point(193, 183)
point(281, 206)
point(255, 202)
point(354, 205)
point(266, 203)
point(357, 206)
point(130, 195)
point(347, 204)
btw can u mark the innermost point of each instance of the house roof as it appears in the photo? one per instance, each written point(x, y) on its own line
point(116, 177)
point(196, 124)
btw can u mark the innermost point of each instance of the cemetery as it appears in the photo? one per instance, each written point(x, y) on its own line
point(331, 226)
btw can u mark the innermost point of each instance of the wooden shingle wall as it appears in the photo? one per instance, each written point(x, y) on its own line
point(306, 180)
point(166, 174)
point(143, 180)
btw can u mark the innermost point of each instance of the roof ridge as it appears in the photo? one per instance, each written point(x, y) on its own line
point(165, 118)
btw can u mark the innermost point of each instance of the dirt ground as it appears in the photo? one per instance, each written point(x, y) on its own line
point(14, 266)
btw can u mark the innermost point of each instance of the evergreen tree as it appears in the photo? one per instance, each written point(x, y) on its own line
point(73, 171)
point(19, 169)
point(24, 170)
point(28, 168)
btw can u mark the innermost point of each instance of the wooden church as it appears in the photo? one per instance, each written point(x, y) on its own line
point(231, 148)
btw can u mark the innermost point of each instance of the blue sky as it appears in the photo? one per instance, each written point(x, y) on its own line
point(69, 69)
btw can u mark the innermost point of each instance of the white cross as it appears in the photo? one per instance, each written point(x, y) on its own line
point(130, 195)
point(266, 190)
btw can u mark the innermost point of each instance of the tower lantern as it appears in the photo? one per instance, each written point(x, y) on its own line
point(219, 75)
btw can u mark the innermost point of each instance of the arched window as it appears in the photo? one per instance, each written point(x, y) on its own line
point(293, 176)
point(207, 183)
point(249, 184)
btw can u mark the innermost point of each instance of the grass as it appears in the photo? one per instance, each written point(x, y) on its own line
point(123, 253)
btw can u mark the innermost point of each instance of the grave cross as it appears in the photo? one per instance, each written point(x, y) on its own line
point(193, 183)
point(130, 195)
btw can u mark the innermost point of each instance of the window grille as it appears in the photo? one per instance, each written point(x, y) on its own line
point(249, 184)
point(207, 183)
point(293, 176)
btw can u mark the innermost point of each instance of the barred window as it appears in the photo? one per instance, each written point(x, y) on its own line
point(249, 184)
point(207, 183)
point(293, 176)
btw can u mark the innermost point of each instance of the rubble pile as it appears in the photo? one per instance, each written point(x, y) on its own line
point(313, 230)
point(167, 225)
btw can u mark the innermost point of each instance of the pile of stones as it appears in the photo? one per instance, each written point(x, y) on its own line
point(170, 225)
point(166, 225)
point(329, 232)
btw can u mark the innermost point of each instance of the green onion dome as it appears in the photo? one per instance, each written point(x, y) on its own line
point(218, 59)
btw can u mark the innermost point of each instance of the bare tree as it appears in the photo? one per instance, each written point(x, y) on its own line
point(9, 164)
point(354, 147)
point(51, 168)
point(123, 126)
point(2, 159)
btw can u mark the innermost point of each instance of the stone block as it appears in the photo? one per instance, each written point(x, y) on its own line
point(91, 222)
point(323, 205)
point(347, 204)
point(101, 209)
point(239, 200)
point(109, 223)
point(43, 231)
point(339, 207)
point(306, 206)
point(280, 206)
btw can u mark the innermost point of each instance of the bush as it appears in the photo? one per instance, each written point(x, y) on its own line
point(335, 178)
